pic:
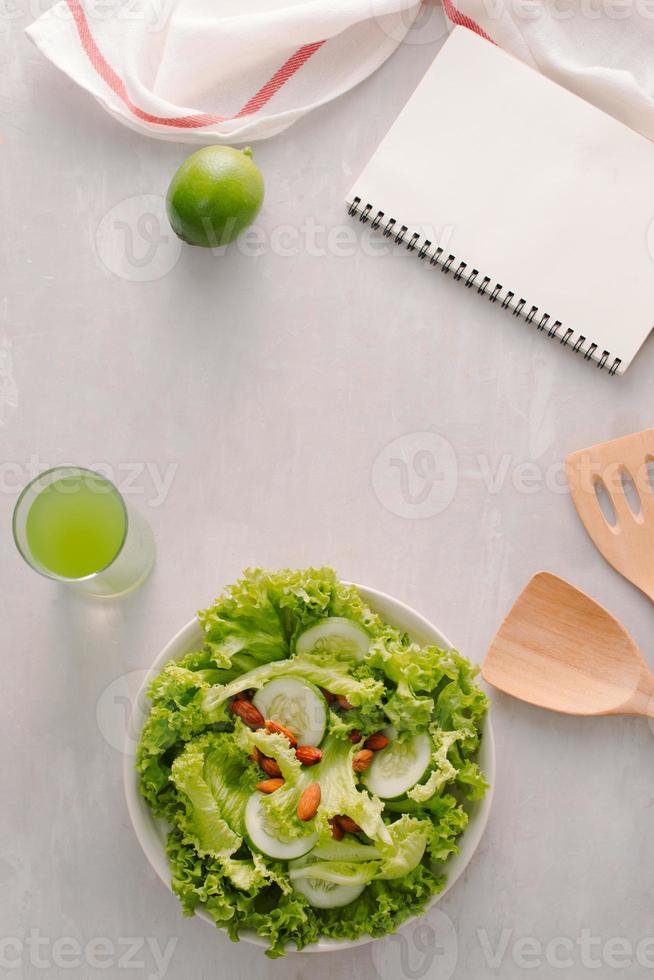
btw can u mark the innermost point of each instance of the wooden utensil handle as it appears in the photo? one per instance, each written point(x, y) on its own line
point(641, 701)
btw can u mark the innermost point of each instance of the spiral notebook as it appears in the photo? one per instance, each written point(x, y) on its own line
point(525, 193)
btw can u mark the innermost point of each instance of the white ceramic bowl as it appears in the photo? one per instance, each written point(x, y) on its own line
point(152, 832)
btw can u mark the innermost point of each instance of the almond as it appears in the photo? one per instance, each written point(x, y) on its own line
point(308, 755)
point(328, 696)
point(269, 785)
point(348, 825)
point(277, 729)
point(362, 760)
point(270, 767)
point(255, 755)
point(309, 802)
point(337, 831)
point(376, 742)
point(354, 735)
point(247, 712)
point(343, 702)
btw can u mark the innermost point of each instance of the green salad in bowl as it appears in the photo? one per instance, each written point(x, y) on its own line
point(312, 765)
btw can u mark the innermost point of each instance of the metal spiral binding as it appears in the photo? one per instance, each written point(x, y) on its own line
point(449, 262)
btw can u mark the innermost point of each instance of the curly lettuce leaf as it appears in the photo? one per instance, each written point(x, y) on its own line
point(258, 619)
point(272, 744)
point(395, 857)
point(175, 717)
point(415, 671)
point(429, 683)
point(178, 693)
point(347, 849)
point(442, 769)
point(346, 601)
point(214, 779)
point(320, 669)
point(201, 820)
point(382, 906)
point(284, 918)
point(408, 712)
point(406, 847)
point(366, 715)
point(409, 665)
point(244, 626)
point(272, 909)
point(230, 775)
point(341, 794)
point(366, 719)
point(306, 596)
point(449, 766)
point(448, 822)
point(461, 706)
point(471, 780)
point(303, 596)
point(252, 874)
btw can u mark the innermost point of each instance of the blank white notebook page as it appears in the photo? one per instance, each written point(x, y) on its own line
point(536, 189)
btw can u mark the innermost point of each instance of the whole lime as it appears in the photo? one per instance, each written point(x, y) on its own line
point(214, 196)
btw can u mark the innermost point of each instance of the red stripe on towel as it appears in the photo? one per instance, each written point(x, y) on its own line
point(117, 85)
point(464, 21)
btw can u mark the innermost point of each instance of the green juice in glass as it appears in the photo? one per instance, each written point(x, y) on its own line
point(76, 526)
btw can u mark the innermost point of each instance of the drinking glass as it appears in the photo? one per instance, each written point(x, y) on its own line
point(72, 525)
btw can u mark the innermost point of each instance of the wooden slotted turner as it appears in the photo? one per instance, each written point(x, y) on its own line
point(628, 544)
point(559, 649)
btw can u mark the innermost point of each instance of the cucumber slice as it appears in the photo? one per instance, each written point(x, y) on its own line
point(262, 836)
point(399, 766)
point(322, 894)
point(325, 894)
point(336, 635)
point(296, 704)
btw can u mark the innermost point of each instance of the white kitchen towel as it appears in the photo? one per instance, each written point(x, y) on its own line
point(219, 70)
point(603, 50)
point(227, 71)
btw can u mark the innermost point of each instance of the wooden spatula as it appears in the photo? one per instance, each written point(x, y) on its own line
point(628, 544)
point(561, 650)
